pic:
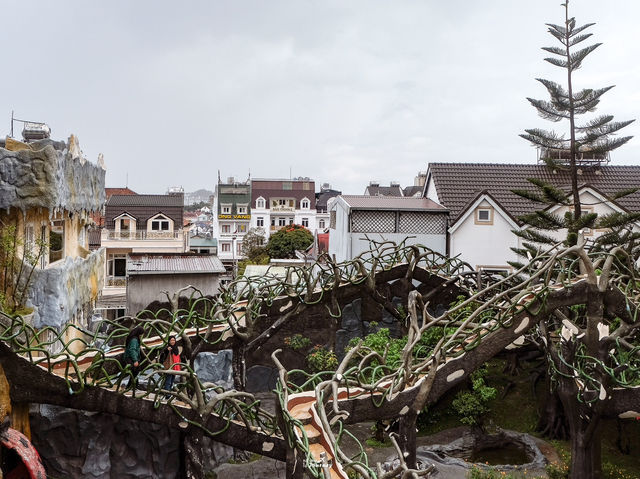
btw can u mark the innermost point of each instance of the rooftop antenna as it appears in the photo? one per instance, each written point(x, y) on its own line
point(126, 183)
point(289, 172)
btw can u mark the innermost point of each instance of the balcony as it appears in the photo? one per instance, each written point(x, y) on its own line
point(142, 235)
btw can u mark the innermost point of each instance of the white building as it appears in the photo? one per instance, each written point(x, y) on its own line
point(484, 210)
point(357, 219)
point(276, 203)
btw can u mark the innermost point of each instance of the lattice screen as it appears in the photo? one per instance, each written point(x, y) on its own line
point(373, 222)
point(422, 223)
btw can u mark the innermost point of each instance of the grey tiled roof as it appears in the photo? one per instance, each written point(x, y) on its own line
point(366, 202)
point(146, 200)
point(173, 263)
point(383, 190)
point(458, 184)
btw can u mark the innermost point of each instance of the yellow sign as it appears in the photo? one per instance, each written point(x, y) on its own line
point(242, 217)
point(224, 217)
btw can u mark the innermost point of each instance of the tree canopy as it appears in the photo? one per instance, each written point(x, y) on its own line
point(285, 242)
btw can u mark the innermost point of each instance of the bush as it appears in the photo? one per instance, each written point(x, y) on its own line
point(297, 341)
point(321, 359)
point(471, 406)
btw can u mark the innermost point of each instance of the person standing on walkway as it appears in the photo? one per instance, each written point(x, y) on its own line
point(171, 359)
point(132, 352)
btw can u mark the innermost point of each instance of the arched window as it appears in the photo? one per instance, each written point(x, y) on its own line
point(304, 204)
point(260, 203)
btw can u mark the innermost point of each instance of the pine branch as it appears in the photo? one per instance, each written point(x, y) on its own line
point(535, 236)
point(595, 123)
point(555, 50)
point(617, 219)
point(579, 38)
point(545, 138)
point(585, 221)
point(577, 57)
point(530, 195)
point(557, 62)
point(605, 146)
point(575, 31)
point(623, 193)
point(587, 100)
point(548, 110)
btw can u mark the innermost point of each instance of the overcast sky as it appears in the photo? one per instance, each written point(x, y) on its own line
point(340, 91)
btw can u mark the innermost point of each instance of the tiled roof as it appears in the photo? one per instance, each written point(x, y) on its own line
point(173, 263)
point(146, 200)
point(109, 192)
point(367, 202)
point(383, 190)
point(413, 191)
point(458, 184)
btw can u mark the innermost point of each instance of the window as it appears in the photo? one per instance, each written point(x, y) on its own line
point(29, 238)
point(306, 185)
point(117, 265)
point(484, 216)
point(282, 221)
point(290, 221)
point(226, 247)
point(260, 203)
point(160, 223)
point(242, 210)
point(260, 222)
point(81, 236)
point(239, 247)
point(304, 204)
point(282, 202)
point(241, 229)
point(125, 224)
point(56, 241)
point(226, 228)
point(286, 185)
point(273, 221)
point(305, 222)
point(321, 224)
point(226, 209)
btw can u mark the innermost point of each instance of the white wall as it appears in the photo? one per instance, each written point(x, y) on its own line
point(339, 239)
point(358, 243)
point(484, 244)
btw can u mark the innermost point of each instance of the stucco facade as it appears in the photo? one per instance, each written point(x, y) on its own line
point(48, 193)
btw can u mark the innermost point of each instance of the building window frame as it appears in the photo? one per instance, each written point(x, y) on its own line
point(321, 224)
point(159, 223)
point(305, 222)
point(305, 204)
point(260, 222)
point(242, 209)
point(483, 215)
point(225, 209)
point(261, 203)
point(225, 247)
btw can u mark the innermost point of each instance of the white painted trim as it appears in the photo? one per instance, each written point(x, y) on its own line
point(471, 210)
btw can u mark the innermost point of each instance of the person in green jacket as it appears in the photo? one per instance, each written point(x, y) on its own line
point(132, 352)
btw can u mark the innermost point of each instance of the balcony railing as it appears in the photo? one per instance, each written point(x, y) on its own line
point(143, 235)
point(115, 281)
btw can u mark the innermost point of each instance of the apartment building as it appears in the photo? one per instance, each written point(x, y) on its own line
point(276, 203)
point(138, 224)
point(231, 219)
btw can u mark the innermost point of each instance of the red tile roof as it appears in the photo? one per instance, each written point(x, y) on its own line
point(458, 184)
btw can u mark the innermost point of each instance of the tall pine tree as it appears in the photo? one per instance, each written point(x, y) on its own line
point(587, 137)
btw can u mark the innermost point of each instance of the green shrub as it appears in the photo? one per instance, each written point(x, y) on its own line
point(321, 359)
point(297, 342)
